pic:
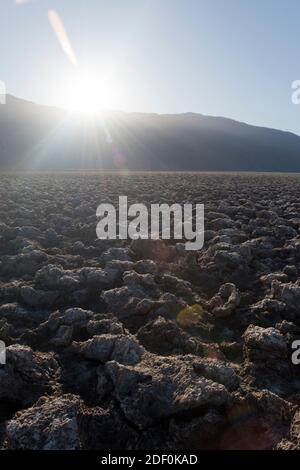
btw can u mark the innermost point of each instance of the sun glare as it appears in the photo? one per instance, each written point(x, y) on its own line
point(89, 94)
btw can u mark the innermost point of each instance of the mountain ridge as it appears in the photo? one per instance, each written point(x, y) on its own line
point(41, 137)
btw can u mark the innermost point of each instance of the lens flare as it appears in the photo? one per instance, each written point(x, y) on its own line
point(60, 32)
point(190, 315)
point(21, 2)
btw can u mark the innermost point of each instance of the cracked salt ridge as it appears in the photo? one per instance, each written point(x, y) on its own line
point(105, 336)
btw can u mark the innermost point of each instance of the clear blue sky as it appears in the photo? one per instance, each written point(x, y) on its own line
point(234, 58)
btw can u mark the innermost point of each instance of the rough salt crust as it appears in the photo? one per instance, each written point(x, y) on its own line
point(142, 345)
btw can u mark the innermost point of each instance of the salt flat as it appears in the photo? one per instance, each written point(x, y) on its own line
point(140, 344)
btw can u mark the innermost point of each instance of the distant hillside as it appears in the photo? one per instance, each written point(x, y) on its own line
point(45, 138)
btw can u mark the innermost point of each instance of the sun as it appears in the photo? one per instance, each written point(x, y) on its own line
point(88, 93)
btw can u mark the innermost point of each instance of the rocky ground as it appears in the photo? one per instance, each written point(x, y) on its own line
point(142, 345)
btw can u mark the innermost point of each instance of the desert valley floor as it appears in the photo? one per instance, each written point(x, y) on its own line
point(141, 344)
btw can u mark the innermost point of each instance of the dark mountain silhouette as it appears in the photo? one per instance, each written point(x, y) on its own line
point(44, 138)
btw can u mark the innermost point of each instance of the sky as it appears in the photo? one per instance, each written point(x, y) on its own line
point(232, 58)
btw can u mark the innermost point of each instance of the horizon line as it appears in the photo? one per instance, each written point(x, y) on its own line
point(196, 113)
